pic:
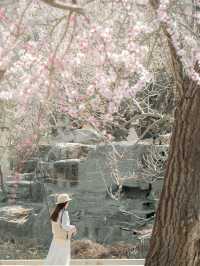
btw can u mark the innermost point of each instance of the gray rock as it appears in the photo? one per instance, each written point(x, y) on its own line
point(87, 136)
point(157, 187)
point(62, 151)
point(43, 151)
point(16, 222)
point(28, 176)
point(88, 171)
point(37, 192)
point(67, 169)
point(84, 136)
point(3, 196)
point(28, 166)
point(24, 176)
point(24, 190)
point(41, 229)
point(51, 201)
point(22, 222)
point(132, 135)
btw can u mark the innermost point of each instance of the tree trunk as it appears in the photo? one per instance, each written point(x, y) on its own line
point(176, 235)
point(1, 180)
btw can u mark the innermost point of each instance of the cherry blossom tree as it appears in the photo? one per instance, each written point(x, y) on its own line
point(80, 61)
point(83, 58)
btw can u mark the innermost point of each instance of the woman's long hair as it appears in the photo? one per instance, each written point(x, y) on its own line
point(55, 213)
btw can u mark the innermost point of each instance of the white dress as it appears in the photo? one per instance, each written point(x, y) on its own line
point(59, 251)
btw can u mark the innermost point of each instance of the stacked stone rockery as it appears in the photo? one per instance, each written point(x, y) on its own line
point(110, 195)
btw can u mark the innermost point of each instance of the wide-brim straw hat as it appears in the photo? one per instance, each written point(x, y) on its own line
point(62, 198)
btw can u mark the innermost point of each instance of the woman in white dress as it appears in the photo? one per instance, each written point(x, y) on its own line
point(59, 251)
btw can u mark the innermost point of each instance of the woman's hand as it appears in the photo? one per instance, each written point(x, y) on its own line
point(74, 231)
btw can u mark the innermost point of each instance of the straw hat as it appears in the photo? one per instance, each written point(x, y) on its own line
point(62, 198)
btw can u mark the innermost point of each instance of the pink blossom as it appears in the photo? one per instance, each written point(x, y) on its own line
point(6, 95)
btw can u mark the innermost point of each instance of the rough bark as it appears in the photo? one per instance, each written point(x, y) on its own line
point(176, 234)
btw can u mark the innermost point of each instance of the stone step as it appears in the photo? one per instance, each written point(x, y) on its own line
point(76, 264)
point(91, 262)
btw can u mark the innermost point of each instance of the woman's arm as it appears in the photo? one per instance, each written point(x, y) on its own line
point(65, 222)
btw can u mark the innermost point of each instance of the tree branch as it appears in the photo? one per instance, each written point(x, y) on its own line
point(177, 64)
point(60, 5)
point(54, 3)
point(4, 3)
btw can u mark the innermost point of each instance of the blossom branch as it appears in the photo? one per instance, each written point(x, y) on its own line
point(71, 8)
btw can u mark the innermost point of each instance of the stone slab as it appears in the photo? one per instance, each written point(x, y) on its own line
point(78, 262)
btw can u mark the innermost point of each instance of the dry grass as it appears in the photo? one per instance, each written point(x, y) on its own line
point(92, 250)
point(81, 249)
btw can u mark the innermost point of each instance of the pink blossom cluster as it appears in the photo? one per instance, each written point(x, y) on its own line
point(86, 76)
point(6, 95)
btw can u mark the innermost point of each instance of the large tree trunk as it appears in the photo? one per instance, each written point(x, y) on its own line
point(176, 235)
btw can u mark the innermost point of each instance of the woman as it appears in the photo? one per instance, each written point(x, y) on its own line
point(59, 252)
